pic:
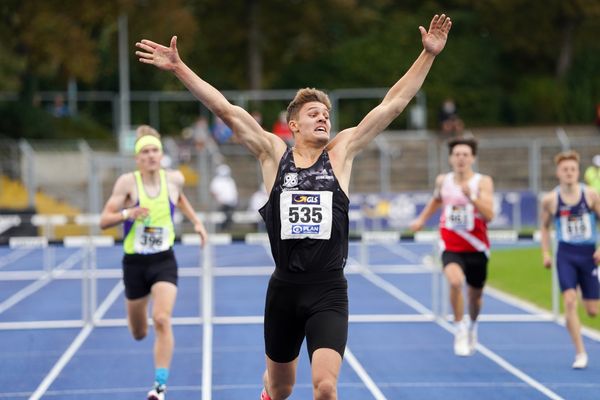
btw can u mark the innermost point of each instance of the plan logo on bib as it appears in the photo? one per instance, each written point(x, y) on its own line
point(305, 229)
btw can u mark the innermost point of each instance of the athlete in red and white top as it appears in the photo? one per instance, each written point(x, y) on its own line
point(467, 202)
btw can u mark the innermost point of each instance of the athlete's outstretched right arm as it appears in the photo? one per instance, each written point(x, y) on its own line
point(262, 144)
point(434, 203)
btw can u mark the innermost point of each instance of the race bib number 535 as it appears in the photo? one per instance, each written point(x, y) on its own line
point(306, 214)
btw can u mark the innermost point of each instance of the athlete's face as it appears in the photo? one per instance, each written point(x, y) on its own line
point(312, 123)
point(462, 158)
point(567, 172)
point(148, 159)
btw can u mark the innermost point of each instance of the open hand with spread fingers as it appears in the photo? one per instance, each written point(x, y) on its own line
point(165, 58)
point(435, 38)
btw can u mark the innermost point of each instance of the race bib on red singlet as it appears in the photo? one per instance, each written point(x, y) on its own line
point(576, 228)
point(150, 239)
point(459, 217)
point(306, 214)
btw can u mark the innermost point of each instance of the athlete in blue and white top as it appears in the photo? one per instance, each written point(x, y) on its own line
point(574, 208)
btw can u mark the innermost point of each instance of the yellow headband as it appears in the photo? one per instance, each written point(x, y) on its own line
point(145, 141)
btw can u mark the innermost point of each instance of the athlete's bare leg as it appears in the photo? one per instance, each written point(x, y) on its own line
point(591, 306)
point(279, 378)
point(456, 278)
point(163, 298)
point(475, 302)
point(137, 317)
point(326, 364)
point(573, 323)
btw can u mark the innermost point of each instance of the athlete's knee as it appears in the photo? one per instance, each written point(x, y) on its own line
point(455, 284)
point(280, 391)
point(475, 293)
point(591, 309)
point(161, 320)
point(325, 390)
point(138, 332)
point(570, 301)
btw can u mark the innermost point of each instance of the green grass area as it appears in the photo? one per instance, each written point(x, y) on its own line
point(520, 272)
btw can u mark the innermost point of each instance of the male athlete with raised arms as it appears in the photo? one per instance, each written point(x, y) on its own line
point(307, 211)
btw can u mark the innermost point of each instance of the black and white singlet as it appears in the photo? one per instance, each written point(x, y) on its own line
point(307, 221)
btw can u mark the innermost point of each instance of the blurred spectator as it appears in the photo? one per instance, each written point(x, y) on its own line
point(197, 138)
point(186, 144)
point(598, 115)
point(257, 115)
point(204, 140)
point(36, 100)
point(224, 190)
point(282, 129)
point(257, 200)
point(592, 174)
point(201, 134)
point(221, 132)
point(450, 123)
point(170, 157)
point(59, 108)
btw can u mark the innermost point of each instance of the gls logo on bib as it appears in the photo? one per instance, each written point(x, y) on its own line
point(306, 199)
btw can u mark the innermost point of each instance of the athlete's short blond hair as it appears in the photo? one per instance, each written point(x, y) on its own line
point(566, 155)
point(304, 96)
point(144, 130)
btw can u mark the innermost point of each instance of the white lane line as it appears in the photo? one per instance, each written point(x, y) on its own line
point(76, 344)
point(14, 256)
point(533, 309)
point(405, 253)
point(391, 289)
point(363, 375)
point(483, 350)
point(507, 366)
point(207, 318)
point(41, 282)
point(257, 387)
point(518, 373)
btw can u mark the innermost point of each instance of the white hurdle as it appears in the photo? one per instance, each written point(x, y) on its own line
point(439, 287)
point(34, 242)
point(207, 301)
point(89, 281)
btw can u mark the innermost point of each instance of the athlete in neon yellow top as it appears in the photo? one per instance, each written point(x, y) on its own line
point(144, 201)
point(155, 232)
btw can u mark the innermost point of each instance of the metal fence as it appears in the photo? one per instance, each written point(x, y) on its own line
point(395, 162)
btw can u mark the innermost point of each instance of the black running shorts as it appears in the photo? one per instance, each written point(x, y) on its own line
point(318, 311)
point(141, 271)
point(474, 266)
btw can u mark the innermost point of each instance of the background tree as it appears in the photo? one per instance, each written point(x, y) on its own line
point(508, 61)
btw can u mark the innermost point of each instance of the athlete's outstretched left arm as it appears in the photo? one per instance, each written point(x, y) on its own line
point(186, 208)
point(401, 93)
point(265, 146)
